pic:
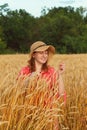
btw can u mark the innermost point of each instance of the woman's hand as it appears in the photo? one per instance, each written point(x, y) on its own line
point(61, 68)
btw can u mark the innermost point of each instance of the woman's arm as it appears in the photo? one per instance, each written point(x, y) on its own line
point(61, 86)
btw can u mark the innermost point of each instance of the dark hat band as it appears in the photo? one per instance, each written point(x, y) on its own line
point(39, 46)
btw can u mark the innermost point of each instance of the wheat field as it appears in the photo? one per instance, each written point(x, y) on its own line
point(21, 107)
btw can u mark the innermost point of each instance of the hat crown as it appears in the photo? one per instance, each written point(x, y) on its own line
point(36, 45)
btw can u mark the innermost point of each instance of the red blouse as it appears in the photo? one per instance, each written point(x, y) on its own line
point(50, 75)
point(26, 71)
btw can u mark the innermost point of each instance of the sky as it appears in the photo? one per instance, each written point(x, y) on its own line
point(34, 7)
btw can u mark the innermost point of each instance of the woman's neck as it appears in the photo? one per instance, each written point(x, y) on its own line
point(38, 67)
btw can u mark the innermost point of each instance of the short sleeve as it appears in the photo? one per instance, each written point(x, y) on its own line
point(24, 71)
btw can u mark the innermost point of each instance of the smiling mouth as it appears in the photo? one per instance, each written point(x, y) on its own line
point(44, 59)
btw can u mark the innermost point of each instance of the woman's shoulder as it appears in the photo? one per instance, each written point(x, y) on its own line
point(25, 70)
point(51, 69)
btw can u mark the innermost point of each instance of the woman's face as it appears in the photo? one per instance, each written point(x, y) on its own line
point(41, 57)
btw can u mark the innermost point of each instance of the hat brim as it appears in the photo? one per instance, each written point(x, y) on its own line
point(50, 48)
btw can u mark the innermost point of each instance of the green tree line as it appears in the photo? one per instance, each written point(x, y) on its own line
point(63, 27)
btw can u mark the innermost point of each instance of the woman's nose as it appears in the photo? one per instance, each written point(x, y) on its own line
point(45, 54)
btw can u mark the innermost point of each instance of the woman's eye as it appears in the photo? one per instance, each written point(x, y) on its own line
point(46, 52)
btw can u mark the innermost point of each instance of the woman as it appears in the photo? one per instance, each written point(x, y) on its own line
point(40, 53)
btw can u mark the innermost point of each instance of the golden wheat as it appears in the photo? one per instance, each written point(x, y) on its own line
point(22, 103)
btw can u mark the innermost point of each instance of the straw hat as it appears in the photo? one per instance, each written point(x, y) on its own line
point(41, 46)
